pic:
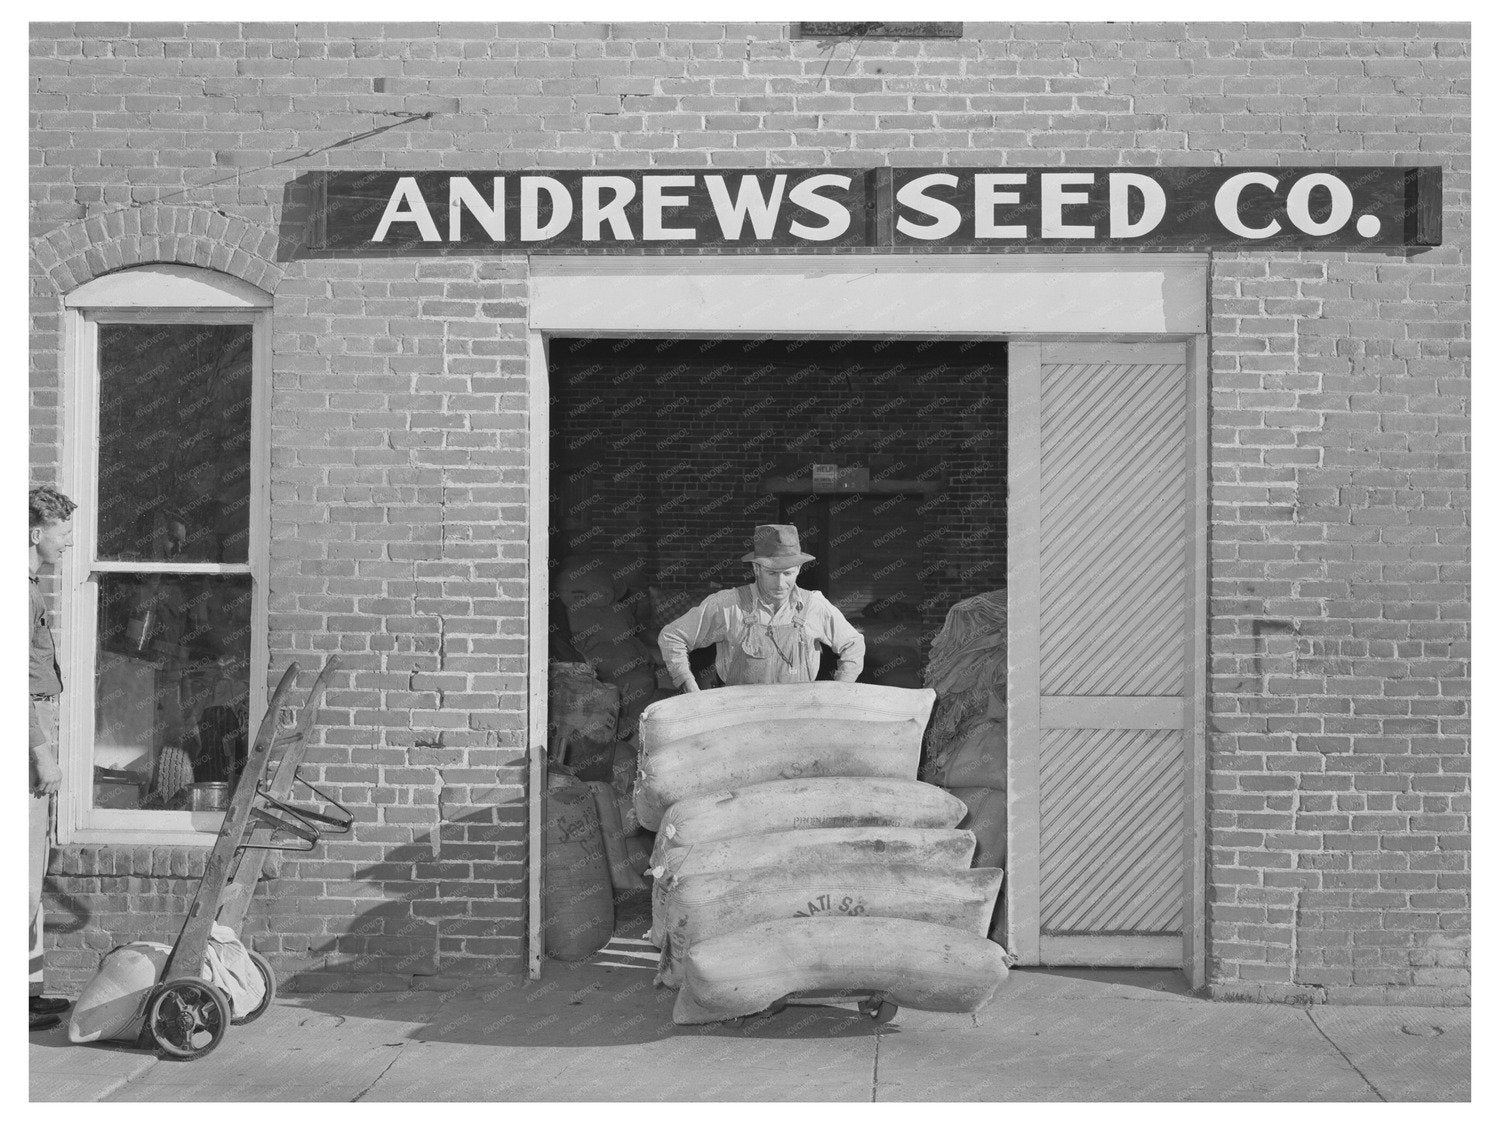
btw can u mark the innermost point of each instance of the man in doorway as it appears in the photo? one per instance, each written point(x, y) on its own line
point(767, 631)
point(51, 532)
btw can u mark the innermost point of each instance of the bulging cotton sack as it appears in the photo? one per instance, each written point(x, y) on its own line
point(113, 1004)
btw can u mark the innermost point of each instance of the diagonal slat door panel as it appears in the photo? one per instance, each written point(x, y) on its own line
point(1112, 545)
point(1111, 831)
point(1112, 605)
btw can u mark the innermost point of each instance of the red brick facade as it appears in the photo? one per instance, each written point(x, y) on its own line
point(1339, 626)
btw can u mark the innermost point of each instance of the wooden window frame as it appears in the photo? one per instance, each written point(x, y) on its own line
point(145, 295)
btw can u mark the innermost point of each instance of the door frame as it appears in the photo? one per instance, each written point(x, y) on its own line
point(1010, 297)
point(1025, 724)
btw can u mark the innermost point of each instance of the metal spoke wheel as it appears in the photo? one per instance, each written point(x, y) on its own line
point(878, 1008)
point(268, 977)
point(187, 1018)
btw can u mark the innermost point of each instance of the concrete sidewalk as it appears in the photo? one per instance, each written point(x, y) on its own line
point(596, 1033)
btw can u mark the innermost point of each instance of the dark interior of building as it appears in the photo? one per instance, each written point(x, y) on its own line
point(887, 455)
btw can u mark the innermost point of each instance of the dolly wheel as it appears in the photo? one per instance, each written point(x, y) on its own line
point(187, 1018)
point(268, 977)
point(878, 1008)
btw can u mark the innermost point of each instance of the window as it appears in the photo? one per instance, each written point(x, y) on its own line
point(164, 637)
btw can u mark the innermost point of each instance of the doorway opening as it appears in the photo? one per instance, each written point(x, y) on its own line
point(1124, 324)
point(888, 456)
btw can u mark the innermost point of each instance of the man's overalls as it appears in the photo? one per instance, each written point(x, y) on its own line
point(761, 653)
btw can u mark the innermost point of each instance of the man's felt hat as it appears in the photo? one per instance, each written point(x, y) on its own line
point(777, 546)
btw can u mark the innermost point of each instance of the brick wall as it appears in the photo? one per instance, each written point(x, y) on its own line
point(671, 451)
point(1338, 783)
point(1339, 787)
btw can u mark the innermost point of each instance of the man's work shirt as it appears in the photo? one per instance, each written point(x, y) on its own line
point(46, 678)
point(756, 645)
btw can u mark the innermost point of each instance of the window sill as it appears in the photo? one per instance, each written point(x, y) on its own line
point(129, 827)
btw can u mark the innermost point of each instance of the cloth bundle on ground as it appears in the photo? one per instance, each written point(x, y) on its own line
point(790, 819)
point(113, 1003)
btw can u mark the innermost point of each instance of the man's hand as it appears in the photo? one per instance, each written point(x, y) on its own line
point(48, 775)
point(691, 687)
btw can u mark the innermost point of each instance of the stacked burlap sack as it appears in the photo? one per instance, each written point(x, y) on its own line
point(796, 851)
point(965, 745)
point(608, 613)
point(593, 843)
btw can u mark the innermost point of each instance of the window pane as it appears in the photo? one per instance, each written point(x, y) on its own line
point(172, 687)
point(174, 442)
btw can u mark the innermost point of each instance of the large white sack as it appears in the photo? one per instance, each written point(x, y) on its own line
point(705, 905)
point(808, 802)
point(911, 963)
point(730, 737)
point(113, 1003)
point(806, 853)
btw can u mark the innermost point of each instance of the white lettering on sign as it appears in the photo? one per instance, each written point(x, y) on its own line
point(1055, 197)
point(987, 197)
point(562, 208)
point(596, 214)
point(1153, 204)
point(748, 202)
point(743, 210)
point(490, 213)
point(835, 215)
point(407, 195)
point(1340, 198)
point(1227, 204)
point(655, 201)
point(945, 215)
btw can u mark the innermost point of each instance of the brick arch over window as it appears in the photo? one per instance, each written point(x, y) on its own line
point(183, 234)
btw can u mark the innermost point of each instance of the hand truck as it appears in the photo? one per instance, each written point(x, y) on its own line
point(872, 1005)
point(186, 1016)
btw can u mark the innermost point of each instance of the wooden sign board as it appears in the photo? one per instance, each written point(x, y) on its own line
point(886, 209)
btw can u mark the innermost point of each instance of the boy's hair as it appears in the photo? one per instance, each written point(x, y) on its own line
point(48, 505)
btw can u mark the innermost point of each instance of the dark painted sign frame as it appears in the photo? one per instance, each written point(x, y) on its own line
point(944, 209)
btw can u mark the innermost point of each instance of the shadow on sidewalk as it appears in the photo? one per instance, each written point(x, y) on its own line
point(582, 1006)
point(1160, 981)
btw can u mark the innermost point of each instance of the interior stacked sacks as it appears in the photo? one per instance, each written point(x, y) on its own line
point(797, 851)
point(966, 738)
